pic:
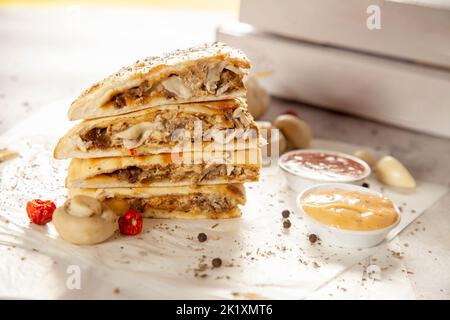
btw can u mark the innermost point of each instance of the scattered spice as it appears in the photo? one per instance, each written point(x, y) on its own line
point(116, 291)
point(285, 214)
point(374, 272)
point(216, 262)
point(287, 224)
point(202, 267)
point(202, 237)
point(366, 185)
point(397, 255)
point(215, 225)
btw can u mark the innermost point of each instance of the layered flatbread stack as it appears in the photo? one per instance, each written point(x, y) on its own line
point(169, 136)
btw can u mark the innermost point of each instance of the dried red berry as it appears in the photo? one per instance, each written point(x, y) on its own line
point(292, 113)
point(130, 223)
point(40, 212)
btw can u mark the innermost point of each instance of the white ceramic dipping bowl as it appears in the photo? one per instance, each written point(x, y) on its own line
point(341, 237)
point(300, 181)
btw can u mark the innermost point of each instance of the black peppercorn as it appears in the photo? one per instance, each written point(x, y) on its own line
point(202, 237)
point(286, 224)
point(312, 238)
point(285, 214)
point(216, 262)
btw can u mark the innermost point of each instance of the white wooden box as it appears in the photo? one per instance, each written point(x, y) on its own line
point(391, 91)
point(416, 30)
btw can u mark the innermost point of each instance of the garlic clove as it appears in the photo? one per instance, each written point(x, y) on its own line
point(392, 172)
point(366, 156)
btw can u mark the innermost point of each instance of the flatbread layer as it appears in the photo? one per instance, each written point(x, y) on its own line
point(190, 202)
point(177, 169)
point(207, 72)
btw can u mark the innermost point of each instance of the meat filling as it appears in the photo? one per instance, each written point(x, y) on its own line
point(190, 173)
point(160, 129)
point(201, 80)
point(186, 203)
point(98, 138)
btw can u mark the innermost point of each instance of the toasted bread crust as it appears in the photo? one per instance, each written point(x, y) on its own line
point(88, 104)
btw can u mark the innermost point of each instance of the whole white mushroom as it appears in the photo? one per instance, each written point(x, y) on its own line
point(84, 220)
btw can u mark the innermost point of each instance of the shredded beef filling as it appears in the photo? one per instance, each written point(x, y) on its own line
point(194, 174)
point(196, 202)
point(131, 174)
point(170, 121)
point(193, 79)
point(99, 138)
point(138, 93)
point(137, 205)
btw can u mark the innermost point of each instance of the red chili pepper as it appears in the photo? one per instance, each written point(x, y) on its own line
point(132, 152)
point(40, 212)
point(130, 223)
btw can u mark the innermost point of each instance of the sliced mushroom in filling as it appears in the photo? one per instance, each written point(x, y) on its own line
point(200, 80)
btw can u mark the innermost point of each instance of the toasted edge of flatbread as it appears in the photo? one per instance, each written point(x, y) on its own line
point(89, 104)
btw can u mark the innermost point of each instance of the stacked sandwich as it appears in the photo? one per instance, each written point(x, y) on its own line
point(169, 137)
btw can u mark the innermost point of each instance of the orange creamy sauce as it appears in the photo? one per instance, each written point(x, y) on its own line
point(350, 210)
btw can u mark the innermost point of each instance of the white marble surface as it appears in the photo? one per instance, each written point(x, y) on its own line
point(55, 52)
